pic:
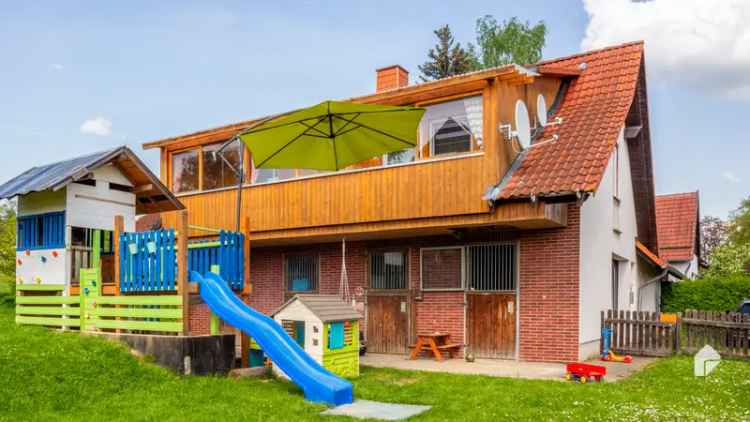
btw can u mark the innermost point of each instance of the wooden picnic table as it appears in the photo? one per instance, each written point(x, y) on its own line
point(435, 343)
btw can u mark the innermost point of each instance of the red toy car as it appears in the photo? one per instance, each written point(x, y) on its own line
point(583, 372)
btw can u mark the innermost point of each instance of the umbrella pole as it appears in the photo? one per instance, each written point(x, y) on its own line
point(240, 181)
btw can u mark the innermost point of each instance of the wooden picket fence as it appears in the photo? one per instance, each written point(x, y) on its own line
point(640, 333)
point(727, 332)
point(653, 334)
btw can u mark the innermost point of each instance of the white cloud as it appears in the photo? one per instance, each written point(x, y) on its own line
point(56, 66)
point(730, 177)
point(704, 45)
point(98, 126)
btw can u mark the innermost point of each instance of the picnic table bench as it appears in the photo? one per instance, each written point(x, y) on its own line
point(436, 344)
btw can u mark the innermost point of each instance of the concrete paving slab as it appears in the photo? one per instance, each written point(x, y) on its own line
point(500, 367)
point(366, 409)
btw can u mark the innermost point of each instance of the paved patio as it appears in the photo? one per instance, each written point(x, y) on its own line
point(500, 368)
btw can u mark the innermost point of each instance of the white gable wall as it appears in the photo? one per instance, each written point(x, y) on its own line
point(94, 207)
point(600, 244)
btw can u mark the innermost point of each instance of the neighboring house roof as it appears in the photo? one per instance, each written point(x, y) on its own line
point(594, 110)
point(677, 224)
point(325, 307)
point(646, 252)
point(151, 194)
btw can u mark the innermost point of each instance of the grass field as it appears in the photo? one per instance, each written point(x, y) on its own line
point(50, 375)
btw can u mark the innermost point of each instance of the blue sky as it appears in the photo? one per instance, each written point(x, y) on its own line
point(147, 70)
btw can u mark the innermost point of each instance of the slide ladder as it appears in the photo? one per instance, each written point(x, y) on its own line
point(318, 384)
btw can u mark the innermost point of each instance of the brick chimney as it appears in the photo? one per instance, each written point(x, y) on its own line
point(391, 77)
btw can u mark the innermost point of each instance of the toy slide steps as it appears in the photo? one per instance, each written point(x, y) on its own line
point(318, 384)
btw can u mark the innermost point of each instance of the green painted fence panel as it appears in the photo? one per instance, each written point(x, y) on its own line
point(135, 325)
point(167, 300)
point(46, 310)
point(53, 322)
point(40, 287)
point(170, 313)
point(47, 300)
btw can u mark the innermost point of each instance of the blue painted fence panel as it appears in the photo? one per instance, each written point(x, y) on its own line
point(148, 261)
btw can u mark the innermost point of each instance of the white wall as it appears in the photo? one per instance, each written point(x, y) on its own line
point(94, 207)
point(689, 268)
point(32, 270)
point(600, 244)
point(648, 296)
point(41, 202)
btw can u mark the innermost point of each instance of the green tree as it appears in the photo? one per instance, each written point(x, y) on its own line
point(511, 41)
point(739, 222)
point(729, 258)
point(7, 239)
point(447, 58)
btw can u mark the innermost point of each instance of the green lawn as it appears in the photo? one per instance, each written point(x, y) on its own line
point(49, 375)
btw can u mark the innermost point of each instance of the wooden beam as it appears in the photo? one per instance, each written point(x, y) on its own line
point(182, 276)
point(143, 188)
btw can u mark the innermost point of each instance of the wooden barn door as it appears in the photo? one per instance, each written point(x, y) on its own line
point(387, 323)
point(491, 299)
point(492, 325)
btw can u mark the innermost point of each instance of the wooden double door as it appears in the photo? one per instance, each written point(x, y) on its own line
point(388, 323)
point(491, 324)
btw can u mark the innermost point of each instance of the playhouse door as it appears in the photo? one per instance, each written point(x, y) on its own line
point(491, 324)
point(387, 323)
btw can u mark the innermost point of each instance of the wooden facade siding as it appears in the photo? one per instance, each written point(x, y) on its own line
point(425, 197)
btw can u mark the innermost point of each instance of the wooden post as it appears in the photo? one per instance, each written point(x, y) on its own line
point(119, 227)
point(182, 276)
point(246, 288)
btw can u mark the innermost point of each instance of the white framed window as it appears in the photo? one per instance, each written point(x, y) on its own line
point(452, 127)
point(442, 268)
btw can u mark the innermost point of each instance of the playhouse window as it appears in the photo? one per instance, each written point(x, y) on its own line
point(301, 273)
point(296, 330)
point(42, 231)
point(388, 270)
point(336, 336)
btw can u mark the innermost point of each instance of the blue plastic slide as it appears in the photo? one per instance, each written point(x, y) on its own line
point(318, 383)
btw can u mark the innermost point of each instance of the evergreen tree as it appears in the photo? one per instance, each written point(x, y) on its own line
point(448, 58)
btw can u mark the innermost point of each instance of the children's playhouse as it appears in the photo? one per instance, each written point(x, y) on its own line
point(81, 266)
point(326, 327)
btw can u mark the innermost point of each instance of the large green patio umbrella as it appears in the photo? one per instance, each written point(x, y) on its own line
point(332, 135)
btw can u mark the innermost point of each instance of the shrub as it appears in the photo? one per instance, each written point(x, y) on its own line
point(710, 294)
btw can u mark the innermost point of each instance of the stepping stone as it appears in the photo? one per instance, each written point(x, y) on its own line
point(365, 409)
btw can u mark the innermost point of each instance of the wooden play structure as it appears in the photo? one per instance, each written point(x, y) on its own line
point(81, 266)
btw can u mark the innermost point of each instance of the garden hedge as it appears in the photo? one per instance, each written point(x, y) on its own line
point(710, 294)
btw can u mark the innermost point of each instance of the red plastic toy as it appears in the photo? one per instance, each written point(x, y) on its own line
point(583, 372)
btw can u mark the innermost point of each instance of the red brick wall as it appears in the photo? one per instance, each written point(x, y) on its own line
point(548, 282)
point(549, 261)
point(199, 320)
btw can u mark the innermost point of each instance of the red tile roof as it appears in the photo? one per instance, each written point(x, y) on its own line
point(650, 255)
point(593, 111)
point(677, 225)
